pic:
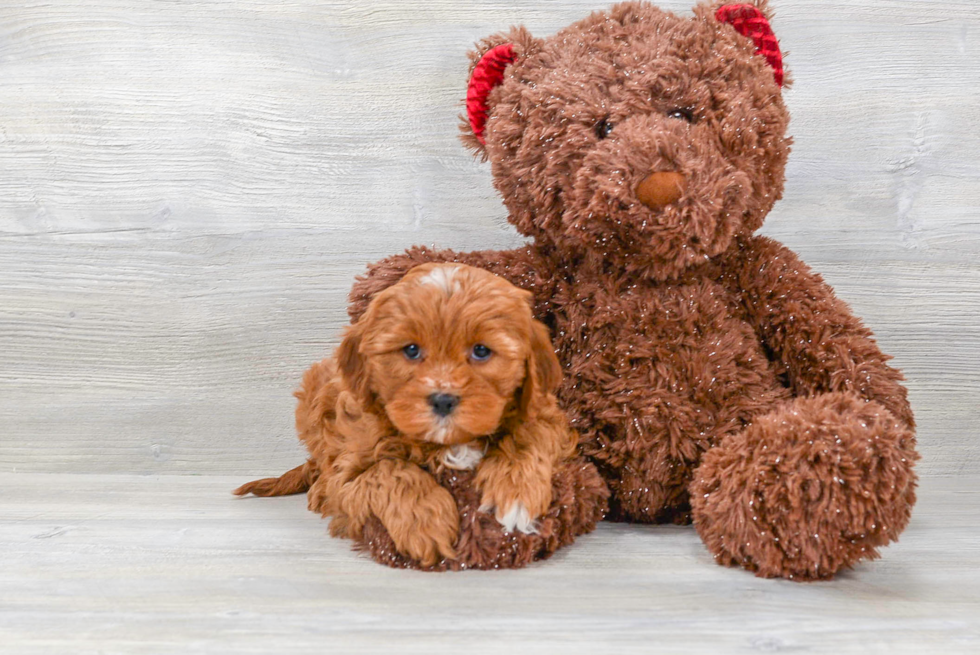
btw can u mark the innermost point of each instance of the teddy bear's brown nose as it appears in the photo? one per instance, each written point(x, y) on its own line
point(660, 189)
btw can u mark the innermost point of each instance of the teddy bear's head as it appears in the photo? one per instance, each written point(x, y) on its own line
point(636, 137)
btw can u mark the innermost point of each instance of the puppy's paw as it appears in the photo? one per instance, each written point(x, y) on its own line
point(427, 530)
point(517, 517)
point(517, 497)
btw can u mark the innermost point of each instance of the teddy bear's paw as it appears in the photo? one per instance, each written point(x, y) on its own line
point(811, 488)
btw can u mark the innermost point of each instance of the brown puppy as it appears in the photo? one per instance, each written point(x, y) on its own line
point(447, 368)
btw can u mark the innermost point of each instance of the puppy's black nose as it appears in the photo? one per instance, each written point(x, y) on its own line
point(443, 404)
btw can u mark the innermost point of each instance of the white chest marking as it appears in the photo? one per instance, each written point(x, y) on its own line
point(462, 457)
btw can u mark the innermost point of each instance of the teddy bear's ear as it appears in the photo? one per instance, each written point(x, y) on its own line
point(752, 20)
point(488, 62)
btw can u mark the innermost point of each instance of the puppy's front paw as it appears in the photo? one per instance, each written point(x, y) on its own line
point(516, 498)
point(517, 517)
point(426, 530)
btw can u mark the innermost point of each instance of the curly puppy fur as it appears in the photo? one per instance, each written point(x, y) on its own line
point(711, 374)
point(446, 370)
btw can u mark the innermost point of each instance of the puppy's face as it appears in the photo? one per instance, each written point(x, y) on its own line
point(447, 351)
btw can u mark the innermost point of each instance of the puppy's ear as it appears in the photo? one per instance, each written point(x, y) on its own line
point(543, 370)
point(350, 361)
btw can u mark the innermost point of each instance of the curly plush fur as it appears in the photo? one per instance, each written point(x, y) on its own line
point(711, 374)
point(578, 504)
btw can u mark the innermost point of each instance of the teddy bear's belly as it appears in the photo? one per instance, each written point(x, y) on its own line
point(656, 379)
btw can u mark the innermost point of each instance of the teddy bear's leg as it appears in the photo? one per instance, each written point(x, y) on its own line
point(812, 487)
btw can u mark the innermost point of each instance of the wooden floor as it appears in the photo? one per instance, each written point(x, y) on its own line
point(128, 564)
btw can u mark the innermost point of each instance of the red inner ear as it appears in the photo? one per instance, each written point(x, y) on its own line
point(749, 21)
point(488, 73)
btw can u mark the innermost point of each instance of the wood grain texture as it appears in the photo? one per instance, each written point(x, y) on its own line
point(174, 564)
point(187, 190)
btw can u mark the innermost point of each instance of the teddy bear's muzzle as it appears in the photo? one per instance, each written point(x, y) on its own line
point(660, 189)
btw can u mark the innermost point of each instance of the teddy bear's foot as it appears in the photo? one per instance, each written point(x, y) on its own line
point(807, 490)
point(579, 501)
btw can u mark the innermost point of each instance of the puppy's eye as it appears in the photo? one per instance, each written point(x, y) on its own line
point(681, 113)
point(412, 351)
point(480, 353)
point(603, 128)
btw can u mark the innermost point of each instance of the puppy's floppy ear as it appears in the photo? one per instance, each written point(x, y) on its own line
point(350, 361)
point(543, 369)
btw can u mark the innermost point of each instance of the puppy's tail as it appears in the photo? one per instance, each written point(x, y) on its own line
point(296, 481)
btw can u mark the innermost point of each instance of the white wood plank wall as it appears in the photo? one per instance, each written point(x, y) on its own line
point(188, 188)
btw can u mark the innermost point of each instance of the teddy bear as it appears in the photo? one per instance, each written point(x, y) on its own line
point(713, 377)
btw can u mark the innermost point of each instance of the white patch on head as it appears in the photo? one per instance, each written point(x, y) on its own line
point(462, 457)
point(517, 518)
point(443, 277)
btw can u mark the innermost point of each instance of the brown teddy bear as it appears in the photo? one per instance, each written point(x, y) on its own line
point(712, 375)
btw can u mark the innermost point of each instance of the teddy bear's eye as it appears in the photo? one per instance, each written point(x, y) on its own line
point(682, 113)
point(603, 128)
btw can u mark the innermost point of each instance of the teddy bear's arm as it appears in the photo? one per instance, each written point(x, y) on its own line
point(512, 265)
point(822, 345)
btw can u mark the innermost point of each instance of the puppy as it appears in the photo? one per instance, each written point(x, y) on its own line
point(447, 368)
